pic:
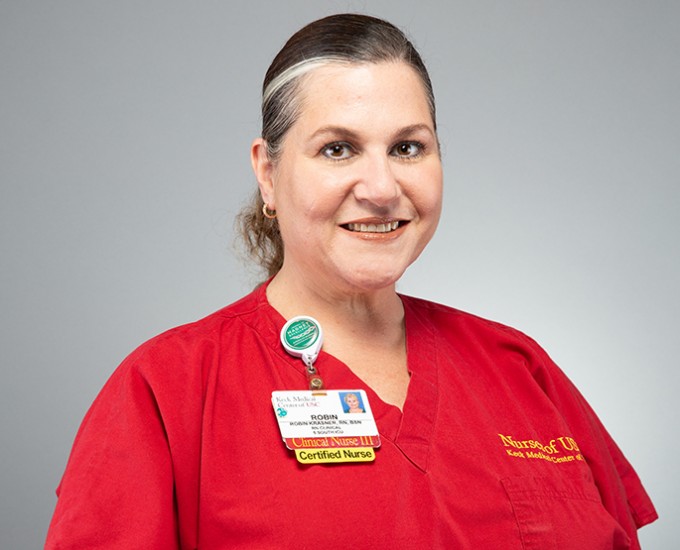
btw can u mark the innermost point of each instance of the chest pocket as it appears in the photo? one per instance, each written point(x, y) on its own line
point(556, 513)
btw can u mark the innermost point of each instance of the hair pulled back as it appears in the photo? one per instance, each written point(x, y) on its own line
point(342, 38)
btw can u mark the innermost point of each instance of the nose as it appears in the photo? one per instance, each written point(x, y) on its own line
point(377, 182)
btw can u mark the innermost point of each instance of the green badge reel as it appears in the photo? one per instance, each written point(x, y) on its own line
point(302, 337)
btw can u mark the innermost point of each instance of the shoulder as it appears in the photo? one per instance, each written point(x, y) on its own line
point(449, 321)
point(496, 351)
point(200, 342)
point(484, 344)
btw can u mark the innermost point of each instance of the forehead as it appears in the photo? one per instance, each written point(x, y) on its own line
point(363, 92)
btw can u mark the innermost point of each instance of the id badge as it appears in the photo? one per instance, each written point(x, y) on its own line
point(327, 426)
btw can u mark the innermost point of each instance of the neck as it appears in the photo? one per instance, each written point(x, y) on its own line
point(293, 294)
point(361, 314)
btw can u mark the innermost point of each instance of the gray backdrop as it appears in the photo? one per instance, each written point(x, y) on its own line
point(125, 129)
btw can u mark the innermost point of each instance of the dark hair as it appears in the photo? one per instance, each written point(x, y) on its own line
point(342, 38)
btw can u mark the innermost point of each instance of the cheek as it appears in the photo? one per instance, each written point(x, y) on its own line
point(428, 193)
point(317, 200)
point(437, 179)
point(307, 191)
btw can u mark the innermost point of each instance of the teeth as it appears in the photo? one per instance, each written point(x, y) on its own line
point(373, 228)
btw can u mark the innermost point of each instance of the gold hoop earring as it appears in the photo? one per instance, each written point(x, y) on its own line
point(269, 214)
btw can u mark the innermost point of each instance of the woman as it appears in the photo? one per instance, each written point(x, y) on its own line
point(353, 405)
point(483, 442)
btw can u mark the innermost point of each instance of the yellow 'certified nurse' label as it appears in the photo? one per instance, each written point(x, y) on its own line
point(319, 456)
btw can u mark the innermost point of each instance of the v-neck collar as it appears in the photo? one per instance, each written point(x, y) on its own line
point(411, 430)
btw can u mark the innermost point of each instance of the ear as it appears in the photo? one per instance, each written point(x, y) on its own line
point(264, 170)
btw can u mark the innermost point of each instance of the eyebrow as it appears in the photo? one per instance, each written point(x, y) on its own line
point(412, 129)
point(351, 134)
point(337, 130)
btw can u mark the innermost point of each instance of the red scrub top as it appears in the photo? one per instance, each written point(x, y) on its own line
point(495, 448)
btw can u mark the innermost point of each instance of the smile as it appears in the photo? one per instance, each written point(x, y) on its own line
point(373, 227)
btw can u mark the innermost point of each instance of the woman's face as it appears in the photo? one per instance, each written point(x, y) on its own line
point(358, 185)
point(352, 401)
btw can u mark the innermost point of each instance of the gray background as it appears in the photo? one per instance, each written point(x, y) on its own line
point(125, 129)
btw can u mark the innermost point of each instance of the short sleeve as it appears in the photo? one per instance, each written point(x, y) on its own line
point(118, 490)
point(620, 487)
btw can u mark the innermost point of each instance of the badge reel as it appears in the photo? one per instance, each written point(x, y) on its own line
point(321, 425)
point(302, 337)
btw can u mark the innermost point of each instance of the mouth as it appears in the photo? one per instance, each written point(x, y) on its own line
point(375, 227)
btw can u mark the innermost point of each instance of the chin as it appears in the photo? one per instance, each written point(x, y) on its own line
point(374, 279)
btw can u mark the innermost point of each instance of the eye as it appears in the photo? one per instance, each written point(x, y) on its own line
point(407, 149)
point(337, 151)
